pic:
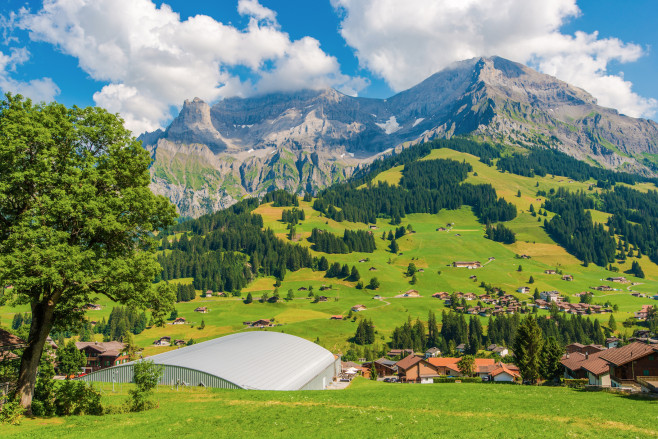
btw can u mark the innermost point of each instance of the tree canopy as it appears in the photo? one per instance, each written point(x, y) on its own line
point(76, 217)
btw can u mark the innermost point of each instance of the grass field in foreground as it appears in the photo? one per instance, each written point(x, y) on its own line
point(366, 410)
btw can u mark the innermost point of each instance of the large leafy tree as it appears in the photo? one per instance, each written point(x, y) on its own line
point(76, 218)
point(466, 365)
point(528, 345)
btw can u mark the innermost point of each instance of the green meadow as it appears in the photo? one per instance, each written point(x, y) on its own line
point(366, 409)
point(430, 250)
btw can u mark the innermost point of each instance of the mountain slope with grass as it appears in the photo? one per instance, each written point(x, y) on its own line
point(264, 260)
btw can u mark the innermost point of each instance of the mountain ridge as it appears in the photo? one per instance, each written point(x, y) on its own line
point(303, 141)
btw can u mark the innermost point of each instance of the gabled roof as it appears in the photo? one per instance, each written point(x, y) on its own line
point(595, 364)
point(573, 361)
point(408, 361)
point(630, 352)
point(10, 341)
point(503, 368)
point(109, 348)
point(386, 362)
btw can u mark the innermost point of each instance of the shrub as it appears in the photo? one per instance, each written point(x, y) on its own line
point(443, 380)
point(146, 376)
point(77, 398)
point(579, 383)
point(11, 412)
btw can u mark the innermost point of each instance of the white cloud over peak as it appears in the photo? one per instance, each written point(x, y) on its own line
point(405, 42)
point(152, 60)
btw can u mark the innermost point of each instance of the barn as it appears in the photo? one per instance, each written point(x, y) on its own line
point(259, 360)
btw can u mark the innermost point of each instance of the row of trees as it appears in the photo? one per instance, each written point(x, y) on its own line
point(426, 187)
point(500, 233)
point(352, 241)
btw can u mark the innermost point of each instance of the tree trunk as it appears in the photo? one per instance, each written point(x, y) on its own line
point(42, 323)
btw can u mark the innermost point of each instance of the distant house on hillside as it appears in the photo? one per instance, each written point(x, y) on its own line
point(201, 309)
point(524, 290)
point(336, 317)
point(357, 308)
point(432, 352)
point(92, 307)
point(179, 321)
point(163, 341)
point(467, 264)
point(618, 279)
point(208, 293)
point(550, 271)
point(567, 277)
point(262, 323)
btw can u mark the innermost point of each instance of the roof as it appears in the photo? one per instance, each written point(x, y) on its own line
point(595, 364)
point(259, 360)
point(504, 368)
point(386, 362)
point(9, 340)
point(409, 361)
point(630, 352)
point(109, 348)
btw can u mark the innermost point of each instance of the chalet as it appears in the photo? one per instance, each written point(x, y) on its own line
point(179, 343)
point(469, 265)
point(102, 355)
point(432, 352)
point(357, 308)
point(372, 269)
point(469, 296)
point(441, 229)
point(550, 272)
point(399, 352)
point(202, 309)
point(377, 297)
point(415, 369)
point(363, 260)
point(262, 323)
point(208, 293)
point(163, 341)
point(421, 270)
point(385, 367)
point(498, 372)
point(567, 277)
point(500, 350)
point(373, 227)
point(8, 343)
point(550, 296)
point(583, 349)
point(524, 290)
point(410, 293)
point(643, 313)
point(92, 307)
point(461, 348)
point(631, 363)
point(179, 321)
point(441, 295)
point(473, 277)
point(611, 342)
point(448, 365)
point(322, 298)
point(619, 279)
point(302, 289)
point(525, 257)
point(336, 317)
point(603, 288)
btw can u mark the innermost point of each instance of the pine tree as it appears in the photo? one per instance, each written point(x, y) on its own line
point(528, 345)
point(551, 355)
point(394, 246)
point(249, 298)
point(612, 323)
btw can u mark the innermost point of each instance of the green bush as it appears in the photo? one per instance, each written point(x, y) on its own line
point(11, 412)
point(576, 383)
point(146, 377)
point(443, 380)
point(77, 398)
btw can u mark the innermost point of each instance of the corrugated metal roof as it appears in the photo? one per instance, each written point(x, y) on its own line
point(259, 360)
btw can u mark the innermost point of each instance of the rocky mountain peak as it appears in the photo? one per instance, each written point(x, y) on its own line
point(194, 125)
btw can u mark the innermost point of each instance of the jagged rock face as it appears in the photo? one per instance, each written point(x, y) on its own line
point(209, 157)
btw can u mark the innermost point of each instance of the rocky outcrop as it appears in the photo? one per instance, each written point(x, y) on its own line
point(209, 157)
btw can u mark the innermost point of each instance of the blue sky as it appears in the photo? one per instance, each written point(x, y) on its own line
point(142, 58)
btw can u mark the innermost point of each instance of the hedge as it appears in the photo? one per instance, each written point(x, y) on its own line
point(576, 383)
point(455, 379)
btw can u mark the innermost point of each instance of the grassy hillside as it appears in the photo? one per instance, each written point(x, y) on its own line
point(428, 249)
point(365, 410)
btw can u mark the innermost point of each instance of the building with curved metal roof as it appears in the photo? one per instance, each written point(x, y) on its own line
point(259, 360)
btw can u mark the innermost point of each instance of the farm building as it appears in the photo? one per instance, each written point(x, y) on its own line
point(247, 360)
point(467, 264)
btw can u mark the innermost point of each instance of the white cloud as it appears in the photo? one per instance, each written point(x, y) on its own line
point(152, 60)
point(405, 42)
point(43, 89)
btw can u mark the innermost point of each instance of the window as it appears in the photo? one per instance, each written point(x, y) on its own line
point(646, 372)
point(650, 357)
